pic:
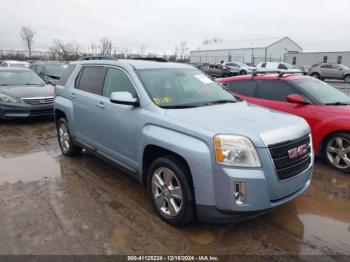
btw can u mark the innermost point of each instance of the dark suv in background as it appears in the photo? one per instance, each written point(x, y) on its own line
point(330, 71)
point(50, 72)
point(218, 70)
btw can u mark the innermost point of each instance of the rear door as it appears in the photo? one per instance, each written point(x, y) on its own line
point(337, 72)
point(86, 102)
point(245, 89)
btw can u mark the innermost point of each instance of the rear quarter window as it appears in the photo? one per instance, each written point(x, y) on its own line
point(244, 88)
point(66, 74)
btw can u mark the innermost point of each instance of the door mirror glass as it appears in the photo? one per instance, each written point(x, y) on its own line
point(124, 98)
point(295, 98)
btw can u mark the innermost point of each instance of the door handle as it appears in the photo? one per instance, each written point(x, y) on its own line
point(100, 105)
point(72, 95)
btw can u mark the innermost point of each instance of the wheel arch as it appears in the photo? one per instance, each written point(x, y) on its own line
point(325, 139)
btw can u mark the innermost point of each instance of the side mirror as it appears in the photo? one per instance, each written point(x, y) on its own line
point(124, 98)
point(295, 98)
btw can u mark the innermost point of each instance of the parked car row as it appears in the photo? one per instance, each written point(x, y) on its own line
point(201, 150)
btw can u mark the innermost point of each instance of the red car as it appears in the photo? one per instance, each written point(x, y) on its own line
point(325, 108)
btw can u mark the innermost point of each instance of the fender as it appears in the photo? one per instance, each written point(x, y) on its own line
point(195, 151)
point(328, 127)
point(65, 105)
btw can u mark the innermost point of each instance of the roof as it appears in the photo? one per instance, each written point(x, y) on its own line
point(15, 61)
point(243, 44)
point(136, 64)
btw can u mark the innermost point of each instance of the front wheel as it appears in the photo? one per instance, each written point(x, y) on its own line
point(337, 151)
point(170, 190)
point(347, 79)
point(243, 72)
point(315, 75)
point(65, 140)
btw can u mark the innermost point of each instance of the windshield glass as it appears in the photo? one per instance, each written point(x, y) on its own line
point(55, 69)
point(171, 88)
point(322, 92)
point(20, 78)
point(242, 64)
point(289, 66)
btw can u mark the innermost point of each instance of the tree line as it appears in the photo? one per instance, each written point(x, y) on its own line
point(70, 50)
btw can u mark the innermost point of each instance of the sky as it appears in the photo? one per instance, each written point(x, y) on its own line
point(160, 25)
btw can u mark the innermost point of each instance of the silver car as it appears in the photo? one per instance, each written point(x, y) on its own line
point(24, 94)
point(330, 71)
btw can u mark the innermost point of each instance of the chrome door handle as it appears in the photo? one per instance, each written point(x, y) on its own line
point(72, 95)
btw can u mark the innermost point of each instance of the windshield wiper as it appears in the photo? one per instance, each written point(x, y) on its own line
point(179, 106)
point(337, 104)
point(223, 101)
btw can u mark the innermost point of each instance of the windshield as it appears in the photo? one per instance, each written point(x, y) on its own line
point(55, 69)
point(289, 66)
point(322, 92)
point(20, 78)
point(171, 88)
point(242, 64)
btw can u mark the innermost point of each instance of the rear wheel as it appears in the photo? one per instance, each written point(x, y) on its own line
point(65, 140)
point(243, 72)
point(337, 151)
point(347, 79)
point(315, 75)
point(170, 190)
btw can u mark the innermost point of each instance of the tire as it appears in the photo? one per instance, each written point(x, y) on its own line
point(316, 75)
point(170, 190)
point(225, 75)
point(64, 139)
point(336, 151)
point(243, 72)
point(347, 79)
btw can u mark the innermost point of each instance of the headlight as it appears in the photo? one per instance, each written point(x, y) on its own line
point(233, 150)
point(8, 99)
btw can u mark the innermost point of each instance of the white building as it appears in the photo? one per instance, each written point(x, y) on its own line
point(310, 58)
point(248, 51)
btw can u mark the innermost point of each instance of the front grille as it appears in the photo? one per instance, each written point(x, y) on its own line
point(38, 100)
point(286, 167)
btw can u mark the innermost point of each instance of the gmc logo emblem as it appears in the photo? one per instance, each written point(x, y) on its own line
point(298, 151)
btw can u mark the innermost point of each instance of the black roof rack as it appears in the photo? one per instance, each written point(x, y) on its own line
point(97, 58)
point(156, 59)
point(279, 72)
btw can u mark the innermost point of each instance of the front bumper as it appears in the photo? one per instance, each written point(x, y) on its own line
point(22, 110)
point(263, 191)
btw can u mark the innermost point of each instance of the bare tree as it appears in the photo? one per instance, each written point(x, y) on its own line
point(66, 50)
point(176, 52)
point(106, 46)
point(212, 40)
point(183, 49)
point(93, 49)
point(27, 35)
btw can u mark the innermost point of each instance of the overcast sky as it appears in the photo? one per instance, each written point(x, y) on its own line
point(160, 25)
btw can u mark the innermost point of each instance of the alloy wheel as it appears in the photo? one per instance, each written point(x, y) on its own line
point(338, 152)
point(347, 79)
point(63, 137)
point(167, 191)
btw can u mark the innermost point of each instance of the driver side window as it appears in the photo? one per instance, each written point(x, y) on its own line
point(276, 90)
point(117, 80)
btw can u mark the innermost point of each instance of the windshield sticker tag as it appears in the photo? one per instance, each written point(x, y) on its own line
point(162, 100)
point(204, 79)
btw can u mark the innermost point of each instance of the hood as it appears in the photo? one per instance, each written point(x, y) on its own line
point(28, 91)
point(262, 125)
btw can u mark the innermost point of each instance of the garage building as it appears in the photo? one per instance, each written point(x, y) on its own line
point(248, 51)
point(310, 58)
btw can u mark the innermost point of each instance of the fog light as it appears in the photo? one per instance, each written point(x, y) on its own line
point(240, 193)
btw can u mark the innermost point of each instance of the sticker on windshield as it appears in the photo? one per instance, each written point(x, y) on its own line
point(162, 100)
point(204, 79)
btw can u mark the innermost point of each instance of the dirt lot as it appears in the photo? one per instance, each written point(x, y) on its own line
point(51, 204)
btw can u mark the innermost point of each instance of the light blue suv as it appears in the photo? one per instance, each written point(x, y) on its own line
point(199, 151)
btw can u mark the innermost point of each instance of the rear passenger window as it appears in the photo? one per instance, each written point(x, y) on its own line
point(282, 66)
point(117, 81)
point(276, 90)
point(244, 88)
point(263, 65)
point(91, 79)
point(66, 74)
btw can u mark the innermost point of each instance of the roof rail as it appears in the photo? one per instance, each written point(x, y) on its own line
point(97, 58)
point(279, 72)
point(156, 59)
